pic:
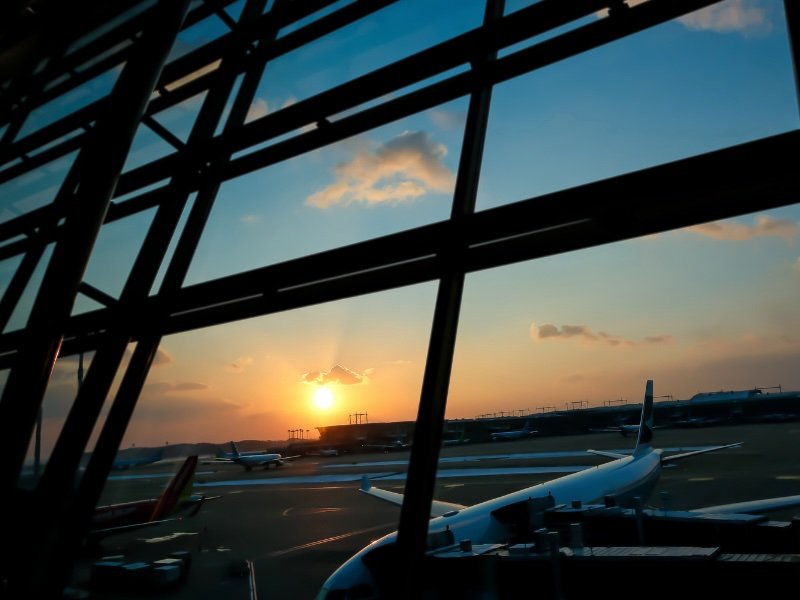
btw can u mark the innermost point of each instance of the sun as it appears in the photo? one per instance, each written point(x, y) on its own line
point(323, 398)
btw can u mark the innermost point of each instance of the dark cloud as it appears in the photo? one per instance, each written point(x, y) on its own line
point(190, 386)
point(240, 364)
point(584, 333)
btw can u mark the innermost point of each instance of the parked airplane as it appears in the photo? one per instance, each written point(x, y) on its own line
point(260, 459)
point(127, 463)
point(514, 434)
point(623, 429)
point(456, 441)
point(176, 498)
point(392, 446)
point(626, 479)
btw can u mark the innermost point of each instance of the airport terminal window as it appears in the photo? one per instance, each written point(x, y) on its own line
point(382, 181)
point(463, 217)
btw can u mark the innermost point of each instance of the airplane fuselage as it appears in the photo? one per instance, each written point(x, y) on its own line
point(621, 479)
point(509, 435)
point(125, 513)
point(258, 460)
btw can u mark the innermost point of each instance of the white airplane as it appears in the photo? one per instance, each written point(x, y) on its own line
point(514, 434)
point(628, 479)
point(457, 441)
point(259, 459)
point(121, 464)
point(623, 429)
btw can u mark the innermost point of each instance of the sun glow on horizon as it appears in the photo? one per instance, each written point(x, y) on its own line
point(323, 398)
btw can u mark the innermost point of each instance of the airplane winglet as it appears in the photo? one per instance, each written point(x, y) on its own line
point(366, 484)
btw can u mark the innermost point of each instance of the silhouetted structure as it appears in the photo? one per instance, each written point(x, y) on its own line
point(50, 48)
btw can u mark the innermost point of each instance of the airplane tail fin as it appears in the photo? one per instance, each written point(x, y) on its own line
point(179, 488)
point(645, 438)
point(234, 449)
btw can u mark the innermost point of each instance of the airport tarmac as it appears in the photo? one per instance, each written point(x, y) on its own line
point(298, 523)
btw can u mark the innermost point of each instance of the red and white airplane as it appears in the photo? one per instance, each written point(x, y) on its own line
point(176, 499)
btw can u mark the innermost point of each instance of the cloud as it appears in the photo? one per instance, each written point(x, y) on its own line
point(586, 335)
point(240, 364)
point(746, 17)
point(162, 358)
point(261, 108)
point(189, 386)
point(400, 170)
point(447, 119)
point(743, 16)
point(163, 387)
point(658, 339)
point(338, 374)
point(765, 226)
point(174, 85)
point(257, 110)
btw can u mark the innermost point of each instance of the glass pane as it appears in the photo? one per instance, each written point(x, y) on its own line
point(680, 89)
point(56, 404)
point(258, 383)
point(387, 180)
point(113, 256)
point(388, 35)
point(21, 312)
point(699, 309)
point(34, 189)
point(70, 102)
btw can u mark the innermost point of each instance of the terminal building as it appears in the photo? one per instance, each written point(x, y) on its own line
point(701, 410)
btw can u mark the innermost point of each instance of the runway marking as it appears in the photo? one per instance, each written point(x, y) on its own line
point(509, 456)
point(788, 477)
point(700, 479)
point(397, 475)
point(449, 485)
point(330, 539)
point(166, 538)
point(151, 475)
point(311, 511)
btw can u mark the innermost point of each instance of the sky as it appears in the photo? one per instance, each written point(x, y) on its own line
point(700, 309)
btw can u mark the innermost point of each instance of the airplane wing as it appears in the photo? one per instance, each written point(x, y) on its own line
point(608, 454)
point(665, 459)
point(438, 508)
point(752, 506)
point(100, 533)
